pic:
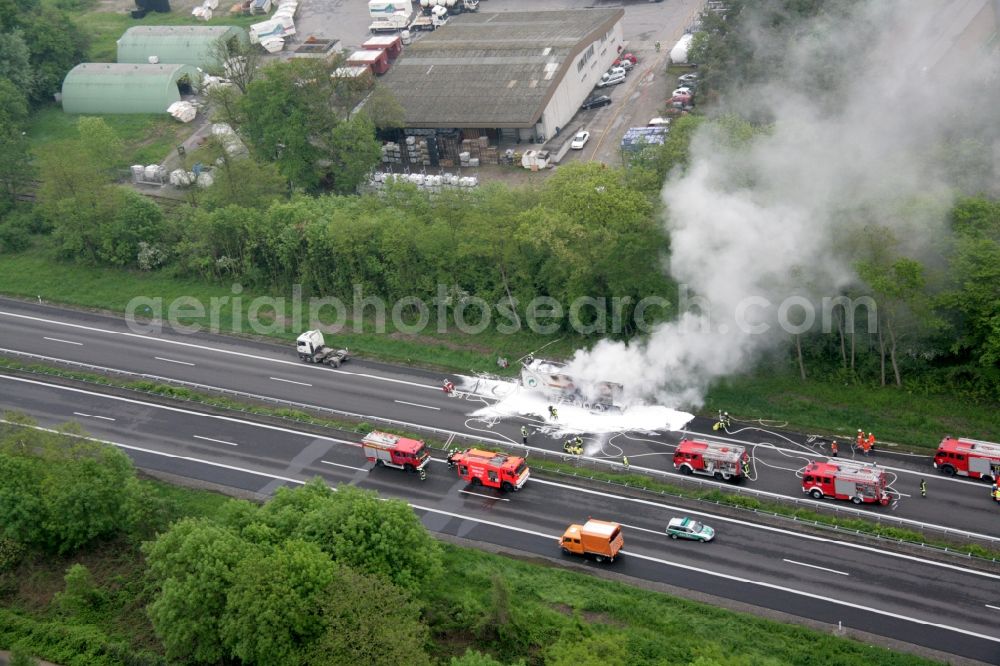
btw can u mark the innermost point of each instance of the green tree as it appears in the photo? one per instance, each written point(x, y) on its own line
point(56, 46)
point(273, 608)
point(240, 180)
point(383, 109)
point(61, 492)
point(476, 658)
point(368, 622)
point(15, 65)
point(287, 111)
point(81, 594)
point(975, 275)
point(16, 169)
point(353, 153)
point(359, 530)
point(904, 307)
point(193, 566)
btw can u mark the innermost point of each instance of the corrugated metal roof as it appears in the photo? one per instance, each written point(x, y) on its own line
point(123, 88)
point(492, 69)
point(183, 44)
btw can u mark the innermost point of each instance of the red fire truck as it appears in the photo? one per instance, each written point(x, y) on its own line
point(382, 448)
point(725, 462)
point(491, 469)
point(973, 458)
point(857, 482)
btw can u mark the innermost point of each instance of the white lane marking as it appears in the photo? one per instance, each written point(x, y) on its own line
point(542, 535)
point(289, 381)
point(492, 497)
point(219, 441)
point(65, 342)
point(641, 529)
point(191, 345)
point(328, 462)
point(413, 404)
point(768, 528)
point(993, 607)
point(189, 412)
point(95, 416)
point(170, 360)
point(588, 491)
point(813, 566)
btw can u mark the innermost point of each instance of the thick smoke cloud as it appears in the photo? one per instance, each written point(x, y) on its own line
point(760, 224)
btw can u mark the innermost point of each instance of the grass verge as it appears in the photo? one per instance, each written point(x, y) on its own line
point(515, 609)
point(147, 137)
point(631, 480)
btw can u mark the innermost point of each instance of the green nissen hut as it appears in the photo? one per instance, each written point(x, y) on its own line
point(186, 44)
point(97, 87)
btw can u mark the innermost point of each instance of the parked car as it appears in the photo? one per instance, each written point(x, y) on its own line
point(611, 81)
point(595, 102)
point(627, 65)
point(683, 90)
point(684, 78)
point(614, 71)
point(580, 140)
point(659, 122)
point(688, 528)
point(626, 56)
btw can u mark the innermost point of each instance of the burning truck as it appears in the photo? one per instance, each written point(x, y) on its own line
point(550, 378)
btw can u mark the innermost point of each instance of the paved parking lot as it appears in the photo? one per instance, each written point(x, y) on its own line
point(637, 100)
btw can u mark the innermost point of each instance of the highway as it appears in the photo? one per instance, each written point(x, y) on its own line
point(414, 397)
point(938, 605)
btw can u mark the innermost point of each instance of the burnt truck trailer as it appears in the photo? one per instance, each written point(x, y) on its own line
point(551, 379)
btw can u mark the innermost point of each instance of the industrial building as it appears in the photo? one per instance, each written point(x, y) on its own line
point(177, 44)
point(491, 78)
point(126, 88)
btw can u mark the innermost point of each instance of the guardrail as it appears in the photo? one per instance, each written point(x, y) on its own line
point(580, 462)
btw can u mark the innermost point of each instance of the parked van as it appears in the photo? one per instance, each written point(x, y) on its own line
point(611, 80)
point(614, 71)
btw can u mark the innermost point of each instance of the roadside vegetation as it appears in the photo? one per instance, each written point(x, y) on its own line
point(144, 573)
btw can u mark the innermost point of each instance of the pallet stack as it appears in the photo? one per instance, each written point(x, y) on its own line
point(391, 153)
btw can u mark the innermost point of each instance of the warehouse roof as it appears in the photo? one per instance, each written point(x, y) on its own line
point(185, 44)
point(493, 69)
point(124, 88)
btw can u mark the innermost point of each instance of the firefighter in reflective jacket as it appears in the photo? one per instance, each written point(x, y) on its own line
point(573, 447)
point(995, 493)
point(746, 464)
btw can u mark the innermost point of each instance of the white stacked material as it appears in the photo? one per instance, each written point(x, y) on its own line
point(153, 60)
point(205, 179)
point(183, 111)
point(208, 82)
point(137, 172)
point(203, 13)
point(273, 44)
point(280, 27)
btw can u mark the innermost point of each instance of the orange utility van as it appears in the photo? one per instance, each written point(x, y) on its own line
point(599, 538)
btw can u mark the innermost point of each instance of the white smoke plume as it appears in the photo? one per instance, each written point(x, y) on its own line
point(769, 221)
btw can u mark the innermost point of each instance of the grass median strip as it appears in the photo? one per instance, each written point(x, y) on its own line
point(631, 480)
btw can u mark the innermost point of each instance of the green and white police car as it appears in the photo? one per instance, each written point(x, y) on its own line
point(687, 528)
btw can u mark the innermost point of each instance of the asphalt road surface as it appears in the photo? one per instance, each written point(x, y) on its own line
point(414, 398)
point(938, 605)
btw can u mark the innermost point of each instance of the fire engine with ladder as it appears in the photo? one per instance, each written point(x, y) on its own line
point(857, 482)
point(490, 469)
point(973, 458)
point(725, 462)
point(389, 450)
